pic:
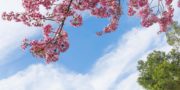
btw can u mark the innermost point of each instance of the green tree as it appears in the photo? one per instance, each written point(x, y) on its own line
point(173, 35)
point(161, 71)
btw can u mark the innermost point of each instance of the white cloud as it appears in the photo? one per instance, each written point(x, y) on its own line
point(8, 5)
point(129, 83)
point(11, 33)
point(113, 71)
point(176, 10)
point(123, 59)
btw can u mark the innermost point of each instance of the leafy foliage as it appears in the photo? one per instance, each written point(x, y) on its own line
point(161, 71)
point(173, 35)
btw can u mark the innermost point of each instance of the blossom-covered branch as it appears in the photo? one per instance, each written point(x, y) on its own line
point(55, 40)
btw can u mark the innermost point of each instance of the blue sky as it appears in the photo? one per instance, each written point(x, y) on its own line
point(91, 63)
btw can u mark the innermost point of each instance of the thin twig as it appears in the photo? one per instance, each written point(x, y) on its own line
point(63, 21)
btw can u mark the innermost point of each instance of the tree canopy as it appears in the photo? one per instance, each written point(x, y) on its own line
point(161, 71)
point(173, 35)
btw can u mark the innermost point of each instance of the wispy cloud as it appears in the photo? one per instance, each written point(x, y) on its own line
point(120, 63)
point(11, 33)
point(113, 71)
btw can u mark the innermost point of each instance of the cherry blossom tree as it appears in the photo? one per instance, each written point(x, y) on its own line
point(55, 40)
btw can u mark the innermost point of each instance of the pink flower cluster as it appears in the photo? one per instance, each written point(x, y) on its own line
point(49, 47)
point(30, 19)
point(179, 3)
point(152, 14)
point(168, 2)
point(55, 41)
point(77, 20)
point(108, 8)
point(33, 5)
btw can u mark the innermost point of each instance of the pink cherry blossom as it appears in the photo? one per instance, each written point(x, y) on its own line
point(47, 30)
point(143, 2)
point(131, 11)
point(55, 40)
point(77, 20)
point(178, 3)
point(25, 43)
point(150, 15)
point(168, 2)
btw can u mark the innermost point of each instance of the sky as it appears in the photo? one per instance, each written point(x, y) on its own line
point(91, 63)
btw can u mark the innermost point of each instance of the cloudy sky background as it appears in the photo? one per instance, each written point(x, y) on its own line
point(91, 63)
